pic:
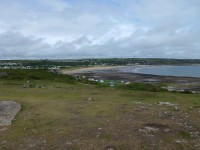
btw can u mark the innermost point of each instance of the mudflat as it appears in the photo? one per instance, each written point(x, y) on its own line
point(113, 73)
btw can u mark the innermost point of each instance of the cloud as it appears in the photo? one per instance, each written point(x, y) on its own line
point(90, 28)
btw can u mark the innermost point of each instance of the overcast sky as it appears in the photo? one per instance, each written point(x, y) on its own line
point(55, 29)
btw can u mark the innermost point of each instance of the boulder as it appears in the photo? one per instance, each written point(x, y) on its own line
point(8, 111)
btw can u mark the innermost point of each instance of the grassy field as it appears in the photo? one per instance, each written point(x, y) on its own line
point(59, 113)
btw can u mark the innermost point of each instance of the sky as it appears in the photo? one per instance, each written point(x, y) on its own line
point(71, 29)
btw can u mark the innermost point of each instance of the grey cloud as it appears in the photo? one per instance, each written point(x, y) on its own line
point(31, 47)
point(15, 45)
point(128, 28)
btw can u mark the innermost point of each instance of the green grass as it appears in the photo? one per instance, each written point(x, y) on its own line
point(185, 134)
point(63, 115)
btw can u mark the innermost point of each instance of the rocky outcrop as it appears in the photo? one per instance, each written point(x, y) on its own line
point(8, 110)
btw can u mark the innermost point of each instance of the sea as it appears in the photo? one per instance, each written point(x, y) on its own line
point(182, 71)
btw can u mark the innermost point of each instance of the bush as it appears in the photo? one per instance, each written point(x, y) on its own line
point(187, 92)
point(143, 87)
point(35, 74)
point(185, 134)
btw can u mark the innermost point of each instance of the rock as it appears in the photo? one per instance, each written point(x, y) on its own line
point(8, 110)
point(89, 99)
point(178, 141)
point(167, 104)
point(110, 148)
point(149, 127)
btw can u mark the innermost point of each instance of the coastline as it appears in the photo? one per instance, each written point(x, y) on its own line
point(112, 73)
point(131, 69)
point(89, 69)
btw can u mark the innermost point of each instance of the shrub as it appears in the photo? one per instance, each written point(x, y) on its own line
point(35, 74)
point(143, 87)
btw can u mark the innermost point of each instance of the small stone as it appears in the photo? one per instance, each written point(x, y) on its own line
point(89, 99)
point(166, 130)
point(68, 143)
point(178, 141)
point(110, 148)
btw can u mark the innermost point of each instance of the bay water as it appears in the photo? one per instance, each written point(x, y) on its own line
point(183, 71)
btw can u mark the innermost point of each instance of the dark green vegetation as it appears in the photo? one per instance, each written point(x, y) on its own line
point(131, 86)
point(35, 74)
point(185, 134)
point(144, 87)
point(66, 114)
point(143, 61)
point(35, 64)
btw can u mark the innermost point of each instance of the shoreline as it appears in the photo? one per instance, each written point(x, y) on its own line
point(111, 73)
point(116, 69)
point(89, 69)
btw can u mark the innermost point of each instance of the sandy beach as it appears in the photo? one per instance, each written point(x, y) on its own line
point(89, 69)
